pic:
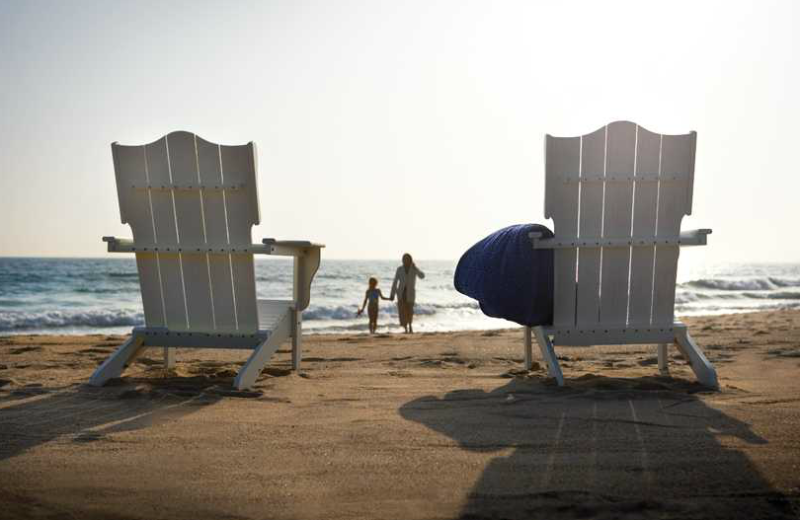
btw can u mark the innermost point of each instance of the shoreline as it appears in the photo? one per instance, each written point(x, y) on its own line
point(429, 425)
point(398, 331)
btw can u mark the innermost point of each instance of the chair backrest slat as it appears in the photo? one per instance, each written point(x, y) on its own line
point(628, 183)
point(648, 161)
point(618, 204)
point(244, 284)
point(173, 299)
point(184, 170)
point(238, 166)
point(183, 288)
point(209, 162)
point(158, 173)
point(209, 159)
point(562, 162)
point(593, 157)
point(677, 162)
point(189, 214)
point(135, 209)
point(220, 271)
point(150, 283)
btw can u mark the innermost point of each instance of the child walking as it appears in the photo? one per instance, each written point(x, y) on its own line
point(372, 295)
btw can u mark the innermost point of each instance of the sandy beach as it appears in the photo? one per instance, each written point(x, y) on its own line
point(403, 427)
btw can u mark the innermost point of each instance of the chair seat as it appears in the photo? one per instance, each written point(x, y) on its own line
point(270, 312)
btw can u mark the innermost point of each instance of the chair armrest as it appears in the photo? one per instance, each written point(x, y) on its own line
point(119, 245)
point(126, 245)
point(694, 237)
point(307, 257)
point(539, 242)
point(269, 247)
point(289, 247)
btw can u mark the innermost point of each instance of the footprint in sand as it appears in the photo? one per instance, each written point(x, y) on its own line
point(453, 359)
point(96, 350)
point(149, 362)
point(89, 437)
point(785, 352)
point(22, 350)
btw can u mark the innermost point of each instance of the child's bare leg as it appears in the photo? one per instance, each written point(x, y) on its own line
point(373, 319)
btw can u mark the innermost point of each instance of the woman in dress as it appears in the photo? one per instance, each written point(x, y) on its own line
point(404, 285)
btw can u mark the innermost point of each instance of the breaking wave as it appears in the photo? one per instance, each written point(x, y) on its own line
point(124, 275)
point(341, 312)
point(743, 284)
point(98, 290)
point(18, 321)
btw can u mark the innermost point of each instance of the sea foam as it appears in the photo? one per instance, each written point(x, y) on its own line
point(11, 320)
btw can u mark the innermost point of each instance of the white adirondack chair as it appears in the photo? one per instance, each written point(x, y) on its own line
point(617, 197)
point(191, 204)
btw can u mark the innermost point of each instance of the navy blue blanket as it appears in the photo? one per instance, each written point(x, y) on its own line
point(509, 278)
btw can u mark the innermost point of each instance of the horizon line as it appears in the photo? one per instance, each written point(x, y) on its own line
point(256, 256)
point(110, 256)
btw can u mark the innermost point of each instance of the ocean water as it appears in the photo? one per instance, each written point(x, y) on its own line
point(80, 296)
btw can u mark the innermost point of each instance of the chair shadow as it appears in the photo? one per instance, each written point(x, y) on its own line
point(602, 447)
point(80, 413)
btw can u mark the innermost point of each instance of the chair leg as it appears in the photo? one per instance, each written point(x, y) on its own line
point(528, 348)
point(297, 339)
point(549, 355)
point(169, 358)
point(703, 370)
point(118, 361)
point(260, 357)
point(663, 359)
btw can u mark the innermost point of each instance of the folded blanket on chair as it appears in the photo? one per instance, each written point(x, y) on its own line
point(509, 278)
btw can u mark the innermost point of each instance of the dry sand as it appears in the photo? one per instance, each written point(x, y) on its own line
point(406, 427)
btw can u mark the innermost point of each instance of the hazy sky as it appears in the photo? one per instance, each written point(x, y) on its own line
point(399, 125)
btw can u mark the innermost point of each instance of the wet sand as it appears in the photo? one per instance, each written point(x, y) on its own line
point(406, 427)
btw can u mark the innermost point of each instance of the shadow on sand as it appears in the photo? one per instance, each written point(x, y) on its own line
point(602, 448)
point(82, 414)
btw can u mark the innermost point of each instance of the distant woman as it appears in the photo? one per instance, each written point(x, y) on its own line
point(405, 281)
